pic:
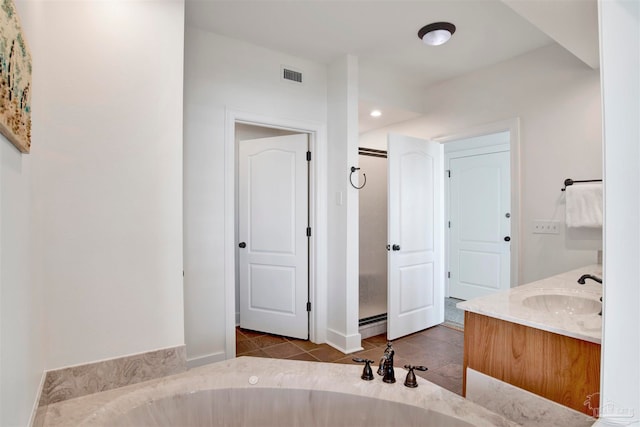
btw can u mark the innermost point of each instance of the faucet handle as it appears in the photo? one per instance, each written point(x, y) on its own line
point(367, 373)
point(411, 380)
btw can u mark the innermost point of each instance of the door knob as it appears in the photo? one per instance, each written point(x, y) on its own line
point(242, 245)
point(395, 247)
point(507, 238)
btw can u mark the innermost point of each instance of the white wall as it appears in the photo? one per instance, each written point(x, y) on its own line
point(223, 74)
point(342, 247)
point(90, 221)
point(382, 86)
point(557, 99)
point(106, 166)
point(620, 47)
point(22, 357)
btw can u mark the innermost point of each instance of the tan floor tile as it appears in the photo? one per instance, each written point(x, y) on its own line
point(249, 333)
point(303, 356)
point(445, 334)
point(368, 345)
point(326, 353)
point(240, 336)
point(305, 345)
point(444, 382)
point(282, 351)
point(377, 340)
point(268, 340)
point(245, 347)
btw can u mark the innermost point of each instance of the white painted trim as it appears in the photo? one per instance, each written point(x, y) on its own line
point(619, 25)
point(317, 217)
point(345, 343)
point(205, 360)
point(513, 127)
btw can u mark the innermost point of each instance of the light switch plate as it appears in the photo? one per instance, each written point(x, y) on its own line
point(546, 227)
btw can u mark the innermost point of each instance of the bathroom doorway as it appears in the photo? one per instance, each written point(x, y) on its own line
point(483, 181)
point(272, 261)
point(401, 237)
point(478, 194)
point(255, 126)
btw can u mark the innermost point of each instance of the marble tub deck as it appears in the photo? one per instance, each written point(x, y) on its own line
point(95, 410)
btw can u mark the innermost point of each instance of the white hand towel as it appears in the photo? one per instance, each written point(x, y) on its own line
point(584, 205)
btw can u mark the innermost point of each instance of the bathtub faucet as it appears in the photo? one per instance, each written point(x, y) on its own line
point(386, 365)
point(584, 277)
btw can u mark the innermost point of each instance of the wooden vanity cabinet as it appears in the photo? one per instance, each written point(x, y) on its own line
point(562, 369)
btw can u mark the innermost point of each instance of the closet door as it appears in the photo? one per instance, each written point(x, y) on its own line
point(480, 224)
point(272, 233)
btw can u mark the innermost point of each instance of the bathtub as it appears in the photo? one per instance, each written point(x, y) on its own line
point(250, 391)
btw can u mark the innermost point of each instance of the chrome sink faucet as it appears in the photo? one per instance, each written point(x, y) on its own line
point(584, 277)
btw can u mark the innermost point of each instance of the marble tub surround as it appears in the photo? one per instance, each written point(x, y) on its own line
point(68, 383)
point(509, 305)
point(101, 409)
point(521, 406)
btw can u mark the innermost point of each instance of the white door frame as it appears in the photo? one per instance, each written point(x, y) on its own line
point(513, 127)
point(317, 220)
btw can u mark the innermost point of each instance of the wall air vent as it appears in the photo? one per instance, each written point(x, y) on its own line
point(291, 75)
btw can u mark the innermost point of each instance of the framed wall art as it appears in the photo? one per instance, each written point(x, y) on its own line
point(15, 79)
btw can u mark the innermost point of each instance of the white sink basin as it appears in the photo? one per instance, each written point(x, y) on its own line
point(563, 304)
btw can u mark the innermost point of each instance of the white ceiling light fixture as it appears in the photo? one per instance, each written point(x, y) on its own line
point(437, 33)
point(375, 113)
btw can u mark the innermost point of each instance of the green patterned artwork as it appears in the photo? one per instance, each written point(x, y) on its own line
point(15, 79)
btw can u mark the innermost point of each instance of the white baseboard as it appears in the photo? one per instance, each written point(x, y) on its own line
point(345, 343)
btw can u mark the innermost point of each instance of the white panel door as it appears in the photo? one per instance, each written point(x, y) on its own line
point(479, 233)
point(416, 247)
point(272, 233)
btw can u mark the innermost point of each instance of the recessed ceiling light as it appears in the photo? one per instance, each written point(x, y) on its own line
point(376, 113)
point(437, 33)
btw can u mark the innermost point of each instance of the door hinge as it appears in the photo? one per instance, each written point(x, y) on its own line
point(448, 275)
point(449, 224)
point(308, 231)
point(449, 173)
point(308, 156)
point(308, 306)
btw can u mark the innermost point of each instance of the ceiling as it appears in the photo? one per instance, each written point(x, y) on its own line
point(383, 34)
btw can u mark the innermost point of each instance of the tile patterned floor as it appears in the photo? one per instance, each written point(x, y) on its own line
point(438, 348)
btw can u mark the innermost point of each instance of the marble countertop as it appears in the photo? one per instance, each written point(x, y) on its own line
point(99, 409)
point(508, 305)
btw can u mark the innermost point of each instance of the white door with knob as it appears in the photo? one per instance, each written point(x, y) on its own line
point(479, 222)
point(416, 239)
point(272, 233)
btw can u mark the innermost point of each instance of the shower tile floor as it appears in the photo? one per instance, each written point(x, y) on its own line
point(438, 348)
